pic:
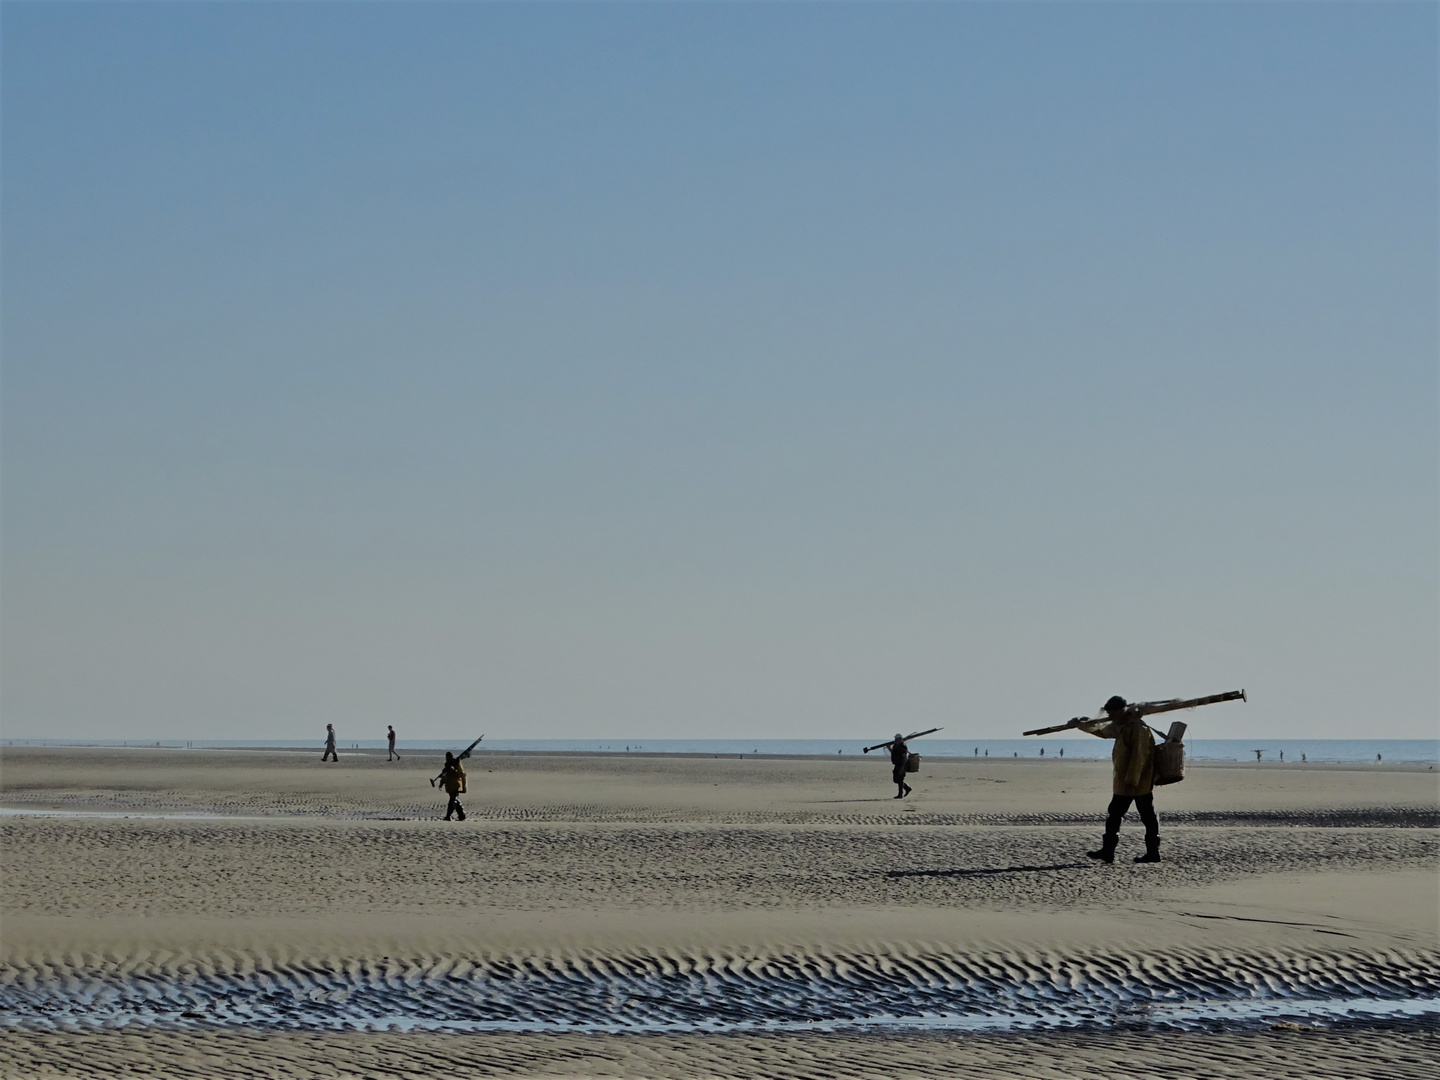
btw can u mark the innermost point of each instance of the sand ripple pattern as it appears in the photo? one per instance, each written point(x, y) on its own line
point(342, 807)
point(101, 868)
point(711, 992)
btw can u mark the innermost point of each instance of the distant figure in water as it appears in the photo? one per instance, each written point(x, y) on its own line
point(1302, 759)
point(1282, 755)
point(1062, 751)
point(1257, 755)
point(1377, 757)
point(390, 736)
point(329, 754)
point(899, 758)
point(452, 779)
point(1042, 751)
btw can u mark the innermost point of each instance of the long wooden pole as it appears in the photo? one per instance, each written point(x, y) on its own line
point(907, 738)
point(1150, 708)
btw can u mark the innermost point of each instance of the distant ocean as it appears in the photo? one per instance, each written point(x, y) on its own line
point(1398, 751)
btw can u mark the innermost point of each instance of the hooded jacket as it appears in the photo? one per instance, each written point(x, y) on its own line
point(452, 779)
point(1133, 756)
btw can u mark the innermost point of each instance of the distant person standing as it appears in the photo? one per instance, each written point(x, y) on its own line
point(452, 779)
point(1134, 777)
point(899, 758)
point(329, 754)
point(391, 738)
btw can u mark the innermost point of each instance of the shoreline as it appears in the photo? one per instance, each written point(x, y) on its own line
point(369, 753)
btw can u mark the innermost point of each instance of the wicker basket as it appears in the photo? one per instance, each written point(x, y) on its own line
point(912, 763)
point(1169, 763)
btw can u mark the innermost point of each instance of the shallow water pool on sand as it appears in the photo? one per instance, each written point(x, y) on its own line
point(714, 994)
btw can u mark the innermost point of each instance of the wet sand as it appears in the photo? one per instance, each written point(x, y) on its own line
point(605, 907)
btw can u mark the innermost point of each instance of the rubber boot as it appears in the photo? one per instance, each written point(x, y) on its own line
point(1152, 850)
point(1106, 854)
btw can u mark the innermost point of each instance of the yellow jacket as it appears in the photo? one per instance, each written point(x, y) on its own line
point(1133, 755)
point(453, 779)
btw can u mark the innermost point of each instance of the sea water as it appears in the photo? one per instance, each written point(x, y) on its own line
point(1385, 751)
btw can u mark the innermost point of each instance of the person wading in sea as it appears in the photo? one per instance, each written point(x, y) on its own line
point(1134, 777)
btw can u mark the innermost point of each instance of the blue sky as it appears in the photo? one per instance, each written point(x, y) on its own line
point(717, 370)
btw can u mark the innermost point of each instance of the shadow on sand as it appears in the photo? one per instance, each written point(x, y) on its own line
point(983, 873)
point(817, 802)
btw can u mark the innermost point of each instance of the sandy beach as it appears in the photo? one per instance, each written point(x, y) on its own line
point(258, 914)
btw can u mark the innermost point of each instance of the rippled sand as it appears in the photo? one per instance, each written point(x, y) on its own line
point(1281, 1054)
point(663, 916)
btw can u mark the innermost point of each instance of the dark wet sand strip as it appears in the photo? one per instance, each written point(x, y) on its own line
point(1358, 1053)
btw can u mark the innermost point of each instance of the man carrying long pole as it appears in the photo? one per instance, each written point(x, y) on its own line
point(452, 779)
point(900, 757)
point(1134, 778)
point(1134, 763)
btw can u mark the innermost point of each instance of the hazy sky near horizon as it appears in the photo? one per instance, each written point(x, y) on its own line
point(717, 370)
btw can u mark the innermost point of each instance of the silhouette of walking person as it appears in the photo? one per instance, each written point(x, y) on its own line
point(899, 758)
